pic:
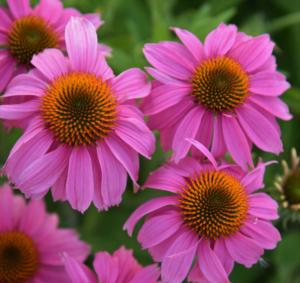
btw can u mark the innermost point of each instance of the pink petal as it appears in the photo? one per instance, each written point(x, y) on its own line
point(5, 20)
point(51, 63)
point(273, 105)
point(253, 53)
point(218, 147)
point(7, 69)
point(106, 267)
point(191, 42)
point(263, 206)
point(259, 129)
point(59, 187)
point(264, 233)
point(19, 8)
point(210, 265)
point(49, 10)
point(146, 208)
point(187, 128)
point(165, 59)
point(149, 274)
point(158, 228)
point(113, 176)
point(236, 141)
point(131, 84)
point(80, 181)
point(136, 134)
point(268, 84)
point(6, 208)
point(243, 249)
point(179, 258)
point(42, 173)
point(95, 19)
point(219, 41)
point(125, 155)
point(165, 96)
point(101, 68)
point(82, 44)
point(223, 255)
point(162, 77)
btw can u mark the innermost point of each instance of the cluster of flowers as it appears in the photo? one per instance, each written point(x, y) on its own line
point(83, 131)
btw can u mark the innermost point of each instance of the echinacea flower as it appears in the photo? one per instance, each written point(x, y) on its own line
point(84, 132)
point(223, 93)
point(26, 31)
point(288, 185)
point(31, 244)
point(121, 267)
point(213, 218)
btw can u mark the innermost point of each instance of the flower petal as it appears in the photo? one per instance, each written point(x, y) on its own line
point(19, 8)
point(19, 111)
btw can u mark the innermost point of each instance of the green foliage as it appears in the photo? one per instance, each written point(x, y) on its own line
point(128, 26)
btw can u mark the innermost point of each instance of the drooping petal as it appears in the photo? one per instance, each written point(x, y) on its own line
point(19, 111)
point(223, 255)
point(80, 181)
point(218, 147)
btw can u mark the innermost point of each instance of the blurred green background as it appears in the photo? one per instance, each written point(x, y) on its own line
point(128, 26)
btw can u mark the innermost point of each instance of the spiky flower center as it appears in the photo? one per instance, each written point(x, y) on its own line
point(79, 109)
point(220, 84)
point(18, 257)
point(214, 204)
point(30, 35)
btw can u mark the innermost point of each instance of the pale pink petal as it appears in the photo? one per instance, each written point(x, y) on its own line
point(191, 42)
point(130, 84)
point(263, 134)
point(253, 53)
point(149, 274)
point(179, 258)
point(209, 263)
point(165, 96)
point(154, 232)
point(236, 141)
point(136, 134)
point(166, 60)
point(42, 173)
point(82, 44)
point(113, 176)
point(263, 206)
point(106, 267)
point(51, 63)
point(19, 8)
point(187, 128)
point(268, 83)
point(80, 181)
point(146, 208)
point(95, 19)
point(264, 233)
point(273, 105)
point(219, 41)
point(218, 147)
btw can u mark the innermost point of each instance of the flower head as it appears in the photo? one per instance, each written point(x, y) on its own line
point(26, 31)
point(223, 93)
point(31, 244)
point(213, 218)
point(121, 267)
point(84, 131)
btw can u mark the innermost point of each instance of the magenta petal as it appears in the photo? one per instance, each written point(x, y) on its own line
point(19, 111)
point(243, 249)
point(187, 129)
point(218, 147)
point(179, 258)
point(209, 263)
point(80, 181)
point(113, 176)
point(49, 10)
point(51, 63)
point(153, 232)
point(264, 233)
point(82, 44)
point(5, 20)
point(149, 274)
point(191, 42)
point(223, 255)
point(7, 69)
point(146, 208)
point(101, 68)
point(6, 208)
point(19, 8)
point(236, 141)
point(259, 129)
point(131, 84)
point(254, 180)
point(162, 77)
point(219, 41)
point(106, 267)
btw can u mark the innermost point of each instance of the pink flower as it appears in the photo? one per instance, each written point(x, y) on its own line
point(121, 267)
point(31, 244)
point(213, 218)
point(223, 93)
point(84, 132)
point(25, 31)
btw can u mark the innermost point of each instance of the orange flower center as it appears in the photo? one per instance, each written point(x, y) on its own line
point(79, 109)
point(30, 35)
point(214, 204)
point(220, 84)
point(18, 257)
